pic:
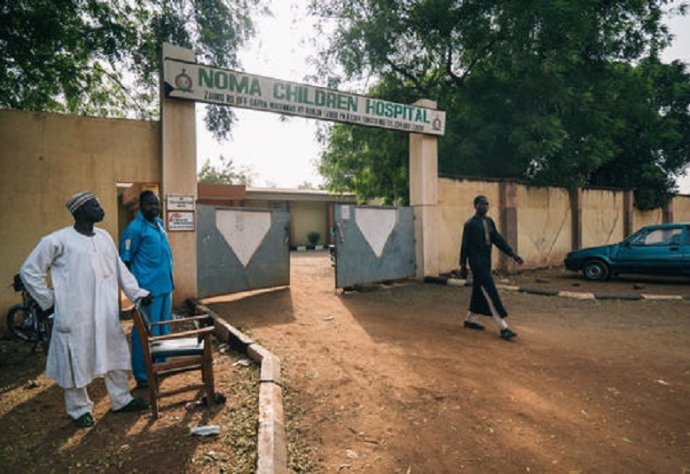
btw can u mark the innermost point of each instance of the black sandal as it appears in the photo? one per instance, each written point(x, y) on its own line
point(84, 421)
point(136, 404)
point(473, 325)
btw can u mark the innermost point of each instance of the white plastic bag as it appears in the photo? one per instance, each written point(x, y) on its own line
point(205, 430)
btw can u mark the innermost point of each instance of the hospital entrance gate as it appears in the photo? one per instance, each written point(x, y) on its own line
point(373, 244)
point(241, 249)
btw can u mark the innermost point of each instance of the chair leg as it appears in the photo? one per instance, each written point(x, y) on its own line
point(207, 376)
point(153, 395)
point(153, 384)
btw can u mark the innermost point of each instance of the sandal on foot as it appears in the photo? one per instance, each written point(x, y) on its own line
point(473, 325)
point(84, 421)
point(218, 399)
point(136, 404)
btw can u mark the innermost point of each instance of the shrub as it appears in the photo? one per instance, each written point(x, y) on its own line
point(313, 237)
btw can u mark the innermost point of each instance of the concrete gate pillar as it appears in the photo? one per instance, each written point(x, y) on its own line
point(178, 174)
point(424, 197)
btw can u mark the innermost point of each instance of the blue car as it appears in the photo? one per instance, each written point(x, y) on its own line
point(660, 249)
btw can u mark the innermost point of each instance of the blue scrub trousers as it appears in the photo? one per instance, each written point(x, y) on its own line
point(159, 310)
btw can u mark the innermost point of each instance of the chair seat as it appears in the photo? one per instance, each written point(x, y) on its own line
point(175, 354)
point(186, 346)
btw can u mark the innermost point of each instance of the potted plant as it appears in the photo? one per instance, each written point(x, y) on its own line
point(313, 238)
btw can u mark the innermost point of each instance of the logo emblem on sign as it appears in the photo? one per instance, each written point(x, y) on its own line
point(436, 124)
point(183, 82)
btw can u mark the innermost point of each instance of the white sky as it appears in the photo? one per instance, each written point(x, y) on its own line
point(680, 49)
point(280, 151)
point(283, 152)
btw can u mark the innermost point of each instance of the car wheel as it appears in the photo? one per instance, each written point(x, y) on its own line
point(596, 270)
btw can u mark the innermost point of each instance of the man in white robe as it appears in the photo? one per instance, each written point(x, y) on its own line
point(88, 340)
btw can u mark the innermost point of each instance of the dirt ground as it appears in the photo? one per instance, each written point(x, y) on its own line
point(561, 279)
point(38, 437)
point(389, 381)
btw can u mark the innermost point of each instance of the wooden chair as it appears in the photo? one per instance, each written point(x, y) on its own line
point(182, 351)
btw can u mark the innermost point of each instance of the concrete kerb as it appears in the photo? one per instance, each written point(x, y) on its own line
point(271, 438)
point(305, 248)
point(272, 441)
point(580, 295)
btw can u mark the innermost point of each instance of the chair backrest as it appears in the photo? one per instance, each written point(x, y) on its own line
point(143, 325)
point(145, 321)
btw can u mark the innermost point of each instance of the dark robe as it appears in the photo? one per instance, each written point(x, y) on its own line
point(477, 240)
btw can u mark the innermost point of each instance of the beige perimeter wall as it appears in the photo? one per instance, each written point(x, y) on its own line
point(455, 206)
point(643, 218)
point(544, 219)
point(681, 208)
point(544, 225)
point(45, 158)
point(602, 217)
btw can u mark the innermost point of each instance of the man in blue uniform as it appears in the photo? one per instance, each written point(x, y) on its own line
point(478, 235)
point(145, 250)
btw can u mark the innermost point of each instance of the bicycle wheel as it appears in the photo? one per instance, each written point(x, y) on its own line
point(20, 323)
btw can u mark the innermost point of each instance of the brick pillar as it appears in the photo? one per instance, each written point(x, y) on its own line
point(628, 215)
point(668, 212)
point(576, 213)
point(507, 193)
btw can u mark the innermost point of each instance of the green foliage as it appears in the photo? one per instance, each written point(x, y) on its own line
point(561, 93)
point(307, 185)
point(370, 162)
point(102, 57)
point(313, 237)
point(224, 174)
point(653, 135)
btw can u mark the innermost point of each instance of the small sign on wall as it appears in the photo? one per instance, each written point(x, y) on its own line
point(345, 212)
point(181, 221)
point(180, 203)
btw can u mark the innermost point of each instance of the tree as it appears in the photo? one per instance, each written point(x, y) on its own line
point(548, 92)
point(102, 57)
point(225, 173)
point(351, 164)
point(307, 185)
point(371, 162)
point(653, 142)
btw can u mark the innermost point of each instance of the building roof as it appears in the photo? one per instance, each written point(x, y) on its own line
point(284, 194)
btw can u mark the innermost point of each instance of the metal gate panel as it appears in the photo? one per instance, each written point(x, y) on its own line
point(241, 249)
point(373, 244)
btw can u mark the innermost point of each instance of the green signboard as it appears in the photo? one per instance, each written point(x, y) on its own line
point(192, 81)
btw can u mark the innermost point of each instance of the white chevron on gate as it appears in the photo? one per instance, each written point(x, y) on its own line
point(243, 231)
point(376, 226)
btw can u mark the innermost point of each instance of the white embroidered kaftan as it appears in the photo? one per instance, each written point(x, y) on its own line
point(87, 340)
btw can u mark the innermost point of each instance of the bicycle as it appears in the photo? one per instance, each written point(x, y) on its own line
point(27, 321)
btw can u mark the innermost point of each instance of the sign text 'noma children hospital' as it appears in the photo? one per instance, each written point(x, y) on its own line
point(221, 86)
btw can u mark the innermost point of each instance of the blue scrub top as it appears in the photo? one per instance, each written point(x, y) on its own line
point(145, 247)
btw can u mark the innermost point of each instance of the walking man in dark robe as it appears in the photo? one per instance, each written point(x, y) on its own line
point(479, 234)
